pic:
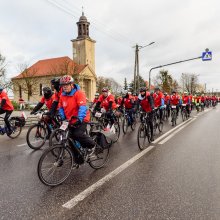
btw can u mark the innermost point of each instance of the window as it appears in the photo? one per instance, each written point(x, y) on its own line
point(20, 92)
point(41, 89)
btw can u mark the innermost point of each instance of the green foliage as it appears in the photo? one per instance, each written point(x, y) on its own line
point(142, 83)
point(16, 105)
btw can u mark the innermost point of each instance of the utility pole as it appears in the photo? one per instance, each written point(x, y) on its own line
point(136, 67)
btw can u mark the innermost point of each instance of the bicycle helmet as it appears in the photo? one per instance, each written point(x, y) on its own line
point(56, 83)
point(47, 92)
point(173, 91)
point(157, 88)
point(97, 94)
point(143, 89)
point(105, 89)
point(65, 80)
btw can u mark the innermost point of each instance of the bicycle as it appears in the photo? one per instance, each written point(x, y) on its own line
point(58, 161)
point(144, 131)
point(38, 133)
point(127, 121)
point(16, 124)
point(108, 123)
point(184, 112)
point(157, 123)
point(173, 114)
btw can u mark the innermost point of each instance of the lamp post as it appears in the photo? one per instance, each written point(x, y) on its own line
point(136, 66)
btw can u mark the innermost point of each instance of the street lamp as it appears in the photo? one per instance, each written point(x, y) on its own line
point(136, 67)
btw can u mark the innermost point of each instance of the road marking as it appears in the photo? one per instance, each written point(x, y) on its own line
point(175, 132)
point(173, 129)
point(20, 145)
point(81, 196)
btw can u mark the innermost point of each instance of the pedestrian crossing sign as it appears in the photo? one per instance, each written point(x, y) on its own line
point(207, 55)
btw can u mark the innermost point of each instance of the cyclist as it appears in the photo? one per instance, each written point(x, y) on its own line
point(47, 99)
point(55, 85)
point(106, 101)
point(167, 103)
point(95, 100)
point(73, 103)
point(6, 107)
point(175, 100)
point(159, 101)
point(197, 100)
point(147, 104)
point(128, 103)
point(186, 100)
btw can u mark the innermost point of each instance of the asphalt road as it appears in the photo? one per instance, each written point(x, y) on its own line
point(178, 178)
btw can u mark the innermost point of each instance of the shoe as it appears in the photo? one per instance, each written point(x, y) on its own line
point(152, 139)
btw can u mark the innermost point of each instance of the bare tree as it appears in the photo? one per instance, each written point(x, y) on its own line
point(116, 88)
point(28, 81)
point(189, 82)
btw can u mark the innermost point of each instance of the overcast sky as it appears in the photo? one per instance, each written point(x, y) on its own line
point(34, 30)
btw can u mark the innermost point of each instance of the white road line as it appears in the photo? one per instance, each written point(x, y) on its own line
point(175, 132)
point(20, 145)
point(173, 129)
point(81, 196)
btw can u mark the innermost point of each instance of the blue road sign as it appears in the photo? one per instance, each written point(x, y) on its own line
point(207, 55)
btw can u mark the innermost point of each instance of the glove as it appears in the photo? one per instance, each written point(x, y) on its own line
point(76, 124)
point(47, 113)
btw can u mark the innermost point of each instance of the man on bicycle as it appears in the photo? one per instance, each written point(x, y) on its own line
point(73, 103)
point(167, 103)
point(106, 101)
point(175, 101)
point(186, 100)
point(159, 101)
point(6, 107)
point(128, 103)
point(147, 104)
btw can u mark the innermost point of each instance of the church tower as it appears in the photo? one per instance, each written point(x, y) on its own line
point(83, 45)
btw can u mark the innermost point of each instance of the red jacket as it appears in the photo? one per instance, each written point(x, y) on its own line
point(74, 104)
point(48, 102)
point(8, 105)
point(95, 100)
point(105, 101)
point(128, 102)
point(145, 104)
point(157, 99)
point(186, 99)
point(167, 99)
point(174, 100)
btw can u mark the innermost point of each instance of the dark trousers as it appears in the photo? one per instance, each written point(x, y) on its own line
point(79, 134)
point(7, 115)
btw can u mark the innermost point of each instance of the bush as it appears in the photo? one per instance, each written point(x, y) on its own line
point(16, 105)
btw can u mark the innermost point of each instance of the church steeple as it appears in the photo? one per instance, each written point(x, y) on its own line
point(83, 27)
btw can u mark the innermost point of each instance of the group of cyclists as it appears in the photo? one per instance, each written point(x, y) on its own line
point(67, 99)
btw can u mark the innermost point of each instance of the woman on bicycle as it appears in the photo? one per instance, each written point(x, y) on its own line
point(6, 107)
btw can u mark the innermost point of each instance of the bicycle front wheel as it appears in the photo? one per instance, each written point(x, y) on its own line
point(125, 125)
point(55, 169)
point(142, 136)
point(117, 130)
point(36, 136)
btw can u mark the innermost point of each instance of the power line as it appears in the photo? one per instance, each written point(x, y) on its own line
point(66, 10)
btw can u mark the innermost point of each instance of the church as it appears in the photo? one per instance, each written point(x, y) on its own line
point(29, 83)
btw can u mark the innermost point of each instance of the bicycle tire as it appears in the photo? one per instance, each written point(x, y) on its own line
point(183, 113)
point(160, 126)
point(125, 125)
point(142, 134)
point(117, 129)
point(133, 125)
point(98, 155)
point(57, 162)
point(43, 138)
point(14, 128)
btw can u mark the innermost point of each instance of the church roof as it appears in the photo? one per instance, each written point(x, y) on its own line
point(52, 67)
